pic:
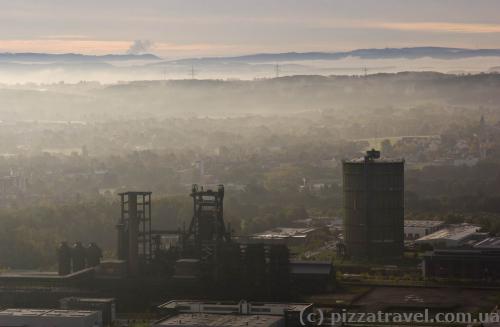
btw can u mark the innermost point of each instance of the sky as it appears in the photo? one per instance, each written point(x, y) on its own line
point(195, 28)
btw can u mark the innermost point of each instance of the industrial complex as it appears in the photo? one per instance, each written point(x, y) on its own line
point(228, 280)
point(205, 262)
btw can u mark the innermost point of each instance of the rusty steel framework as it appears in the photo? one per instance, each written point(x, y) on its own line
point(134, 230)
point(207, 225)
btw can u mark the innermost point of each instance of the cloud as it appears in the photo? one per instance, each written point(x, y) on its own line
point(432, 27)
point(140, 46)
point(442, 27)
point(64, 46)
point(96, 47)
point(66, 37)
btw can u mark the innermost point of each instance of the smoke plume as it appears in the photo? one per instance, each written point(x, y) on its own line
point(140, 46)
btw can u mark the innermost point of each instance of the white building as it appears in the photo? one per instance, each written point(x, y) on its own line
point(49, 317)
point(468, 162)
point(451, 236)
point(415, 229)
point(286, 235)
point(231, 314)
point(228, 307)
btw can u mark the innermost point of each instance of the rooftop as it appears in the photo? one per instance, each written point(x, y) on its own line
point(88, 299)
point(489, 243)
point(188, 306)
point(135, 193)
point(28, 273)
point(423, 223)
point(45, 313)
point(378, 160)
point(43, 275)
point(475, 253)
point(284, 232)
point(453, 232)
point(203, 319)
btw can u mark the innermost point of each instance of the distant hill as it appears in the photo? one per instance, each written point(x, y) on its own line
point(387, 53)
point(71, 68)
point(72, 57)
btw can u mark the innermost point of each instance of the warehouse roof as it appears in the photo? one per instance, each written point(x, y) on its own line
point(45, 313)
point(475, 254)
point(203, 319)
point(489, 243)
point(423, 223)
point(453, 232)
point(188, 306)
point(284, 232)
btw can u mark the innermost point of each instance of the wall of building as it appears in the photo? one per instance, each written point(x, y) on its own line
point(374, 208)
point(457, 264)
point(416, 232)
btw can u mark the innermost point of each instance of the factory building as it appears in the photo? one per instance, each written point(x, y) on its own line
point(218, 320)
point(243, 313)
point(490, 243)
point(312, 276)
point(206, 260)
point(285, 235)
point(415, 229)
point(105, 306)
point(373, 206)
point(452, 236)
point(47, 317)
point(479, 265)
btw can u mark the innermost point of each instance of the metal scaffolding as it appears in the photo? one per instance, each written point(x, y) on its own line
point(134, 230)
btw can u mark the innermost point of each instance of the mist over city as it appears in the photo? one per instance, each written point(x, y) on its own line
point(249, 163)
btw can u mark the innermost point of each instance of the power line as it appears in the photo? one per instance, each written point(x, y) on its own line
point(277, 70)
point(193, 73)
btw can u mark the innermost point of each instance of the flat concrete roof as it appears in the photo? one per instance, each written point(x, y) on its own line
point(203, 319)
point(284, 232)
point(46, 313)
point(423, 223)
point(44, 275)
point(464, 254)
point(374, 161)
point(489, 243)
point(136, 193)
point(175, 304)
point(28, 273)
point(453, 232)
point(88, 299)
